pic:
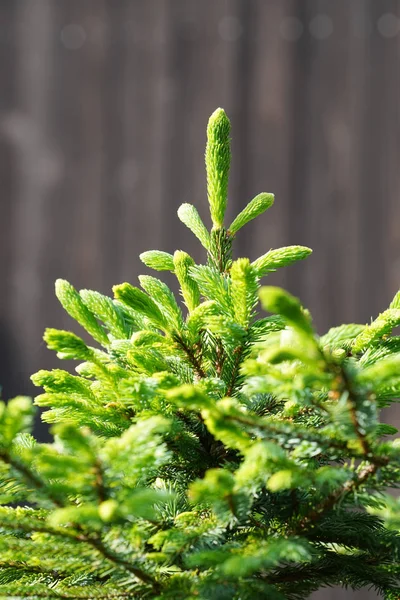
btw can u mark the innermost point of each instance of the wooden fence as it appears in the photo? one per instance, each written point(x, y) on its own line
point(103, 108)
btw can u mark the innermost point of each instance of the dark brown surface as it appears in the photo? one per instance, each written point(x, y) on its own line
point(103, 108)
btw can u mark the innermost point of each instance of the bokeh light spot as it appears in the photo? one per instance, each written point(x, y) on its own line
point(321, 27)
point(388, 25)
point(73, 36)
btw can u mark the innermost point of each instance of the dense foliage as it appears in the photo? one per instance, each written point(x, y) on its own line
point(208, 452)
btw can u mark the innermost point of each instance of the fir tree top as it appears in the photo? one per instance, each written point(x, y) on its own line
point(205, 451)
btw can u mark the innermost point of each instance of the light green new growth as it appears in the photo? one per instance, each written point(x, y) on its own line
point(140, 302)
point(244, 288)
point(395, 303)
point(384, 324)
point(75, 307)
point(218, 160)
point(278, 301)
point(256, 207)
point(282, 257)
point(205, 451)
point(190, 289)
point(67, 345)
point(158, 260)
point(190, 217)
point(106, 312)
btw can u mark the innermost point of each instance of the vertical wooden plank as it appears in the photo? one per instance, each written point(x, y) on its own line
point(264, 143)
point(244, 71)
point(378, 188)
point(8, 353)
point(392, 156)
point(36, 169)
point(76, 124)
point(117, 179)
point(200, 49)
point(360, 274)
point(136, 177)
point(391, 178)
point(325, 136)
point(321, 209)
point(381, 269)
point(68, 178)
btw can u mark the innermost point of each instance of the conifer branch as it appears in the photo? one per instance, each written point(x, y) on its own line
point(238, 354)
point(220, 252)
point(31, 478)
point(64, 596)
point(350, 486)
point(310, 434)
point(98, 544)
point(23, 566)
point(191, 354)
point(308, 572)
point(59, 532)
point(94, 541)
point(352, 400)
point(186, 447)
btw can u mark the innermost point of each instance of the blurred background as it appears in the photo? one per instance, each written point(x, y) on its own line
point(103, 110)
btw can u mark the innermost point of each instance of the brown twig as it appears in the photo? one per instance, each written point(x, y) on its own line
point(238, 353)
point(193, 359)
point(99, 481)
point(98, 544)
point(330, 501)
point(220, 358)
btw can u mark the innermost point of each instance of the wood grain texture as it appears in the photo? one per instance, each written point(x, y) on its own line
point(103, 109)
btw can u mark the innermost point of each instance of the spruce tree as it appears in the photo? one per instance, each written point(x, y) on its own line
point(205, 451)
